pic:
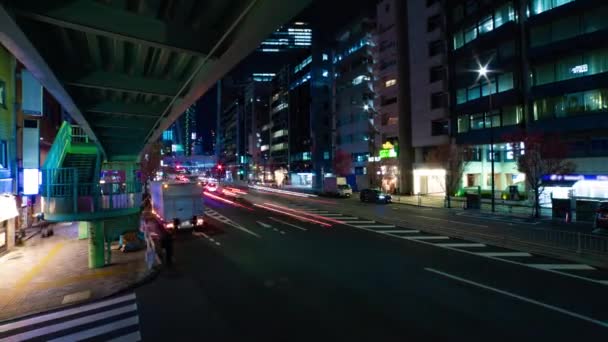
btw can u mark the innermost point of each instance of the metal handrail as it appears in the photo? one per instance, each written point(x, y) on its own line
point(79, 135)
point(59, 147)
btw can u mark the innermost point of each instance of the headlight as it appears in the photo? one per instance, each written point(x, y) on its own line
point(381, 197)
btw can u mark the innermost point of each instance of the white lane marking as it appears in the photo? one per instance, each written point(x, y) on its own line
point(428, 237)
point(70, 324)
point(265, 225)
point(233, 224)
point(505, 254)
point(460, 245)
point(282, 232)
point(513, 262)
point(398, 231)
point(332, 215)
point(64, 313)
point(316, 211)
point(522, 298)
point(81, 335)
point(349, 218)
point(373, 226)
point(450, 221)
point(562, 266)
point(217, 243)
point(287, 223)
point(359, 222)
point(132, 337)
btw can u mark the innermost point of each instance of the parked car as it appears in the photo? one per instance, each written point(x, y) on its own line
point(374, 195)
point(601, 219)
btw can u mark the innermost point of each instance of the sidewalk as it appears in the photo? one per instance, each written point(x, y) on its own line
point(48, 273)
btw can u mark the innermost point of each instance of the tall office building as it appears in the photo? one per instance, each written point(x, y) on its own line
point(547, 72)
point(293, 36)
point(354, 93)
point(428, 91)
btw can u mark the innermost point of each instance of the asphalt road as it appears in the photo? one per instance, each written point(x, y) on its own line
point(268, 276)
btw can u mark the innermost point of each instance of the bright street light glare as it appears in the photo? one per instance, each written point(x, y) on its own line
point(483, 70)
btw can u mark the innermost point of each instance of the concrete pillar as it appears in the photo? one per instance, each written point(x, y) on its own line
point(96, 244)
point(83, 230)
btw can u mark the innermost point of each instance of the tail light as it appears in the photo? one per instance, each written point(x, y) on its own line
point(200, 221)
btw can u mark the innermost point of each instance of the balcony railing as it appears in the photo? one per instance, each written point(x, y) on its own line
point(63, 195)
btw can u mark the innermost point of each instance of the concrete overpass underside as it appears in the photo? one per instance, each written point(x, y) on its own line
point(125, 70)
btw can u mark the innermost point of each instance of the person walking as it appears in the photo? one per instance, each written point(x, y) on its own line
point(167, 243)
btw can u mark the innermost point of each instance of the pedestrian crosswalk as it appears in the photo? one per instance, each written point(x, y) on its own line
point(114, 319)
point(417, 234)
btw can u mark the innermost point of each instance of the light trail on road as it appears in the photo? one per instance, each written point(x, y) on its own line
point(221, 199)
point(302, 218)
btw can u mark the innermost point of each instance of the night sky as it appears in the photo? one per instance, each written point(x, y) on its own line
point(326, 16)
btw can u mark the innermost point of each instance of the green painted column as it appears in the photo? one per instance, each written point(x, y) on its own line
point(96, 244)
point(83, 230)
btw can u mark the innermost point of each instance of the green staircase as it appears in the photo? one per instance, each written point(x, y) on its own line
point(84, 165)
point(71, 188)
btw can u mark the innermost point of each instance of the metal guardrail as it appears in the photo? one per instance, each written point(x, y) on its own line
point(59, 147)
point(63, 193)
point(78, 135)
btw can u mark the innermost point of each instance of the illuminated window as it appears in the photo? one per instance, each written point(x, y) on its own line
point(390, 83)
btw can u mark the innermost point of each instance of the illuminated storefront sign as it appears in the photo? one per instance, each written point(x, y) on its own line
point(8, 207)
point(580, 69)
point(388, 151)
point(573, 178)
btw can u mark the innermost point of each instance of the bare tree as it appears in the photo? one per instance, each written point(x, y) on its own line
point(343, 163)
point(539, 155)
point(453, 158)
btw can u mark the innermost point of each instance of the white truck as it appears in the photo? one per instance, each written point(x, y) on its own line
point(337, 186)
point(178, 205)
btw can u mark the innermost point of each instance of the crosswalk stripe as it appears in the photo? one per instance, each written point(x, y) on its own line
point(71, 324)
point(64, 313)
point(132, 337)
point(460, 245)
point(428, 237)
point(398, 231)
point(372, 226)
point(505, 254)
point(561, 266)
point(81, 335)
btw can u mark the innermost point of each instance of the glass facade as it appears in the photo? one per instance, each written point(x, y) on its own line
point(590, 63)
point(571, 104)
point(506, 116)
point(540, 6)
point(488, 23)
point(569, 27)
point(499, 83)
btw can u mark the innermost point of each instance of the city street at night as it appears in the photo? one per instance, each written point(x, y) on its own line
point(303, 170)
point(269, 276)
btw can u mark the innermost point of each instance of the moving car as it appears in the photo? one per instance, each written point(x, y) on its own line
point(601, 219)
point(374, 195)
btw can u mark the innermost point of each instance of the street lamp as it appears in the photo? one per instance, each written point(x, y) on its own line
point(483, 72)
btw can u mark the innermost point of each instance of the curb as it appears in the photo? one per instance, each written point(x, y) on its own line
point(150, 275)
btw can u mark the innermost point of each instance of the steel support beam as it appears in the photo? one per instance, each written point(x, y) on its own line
point(123, 82)
point(139, 110)
point(103, 20)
